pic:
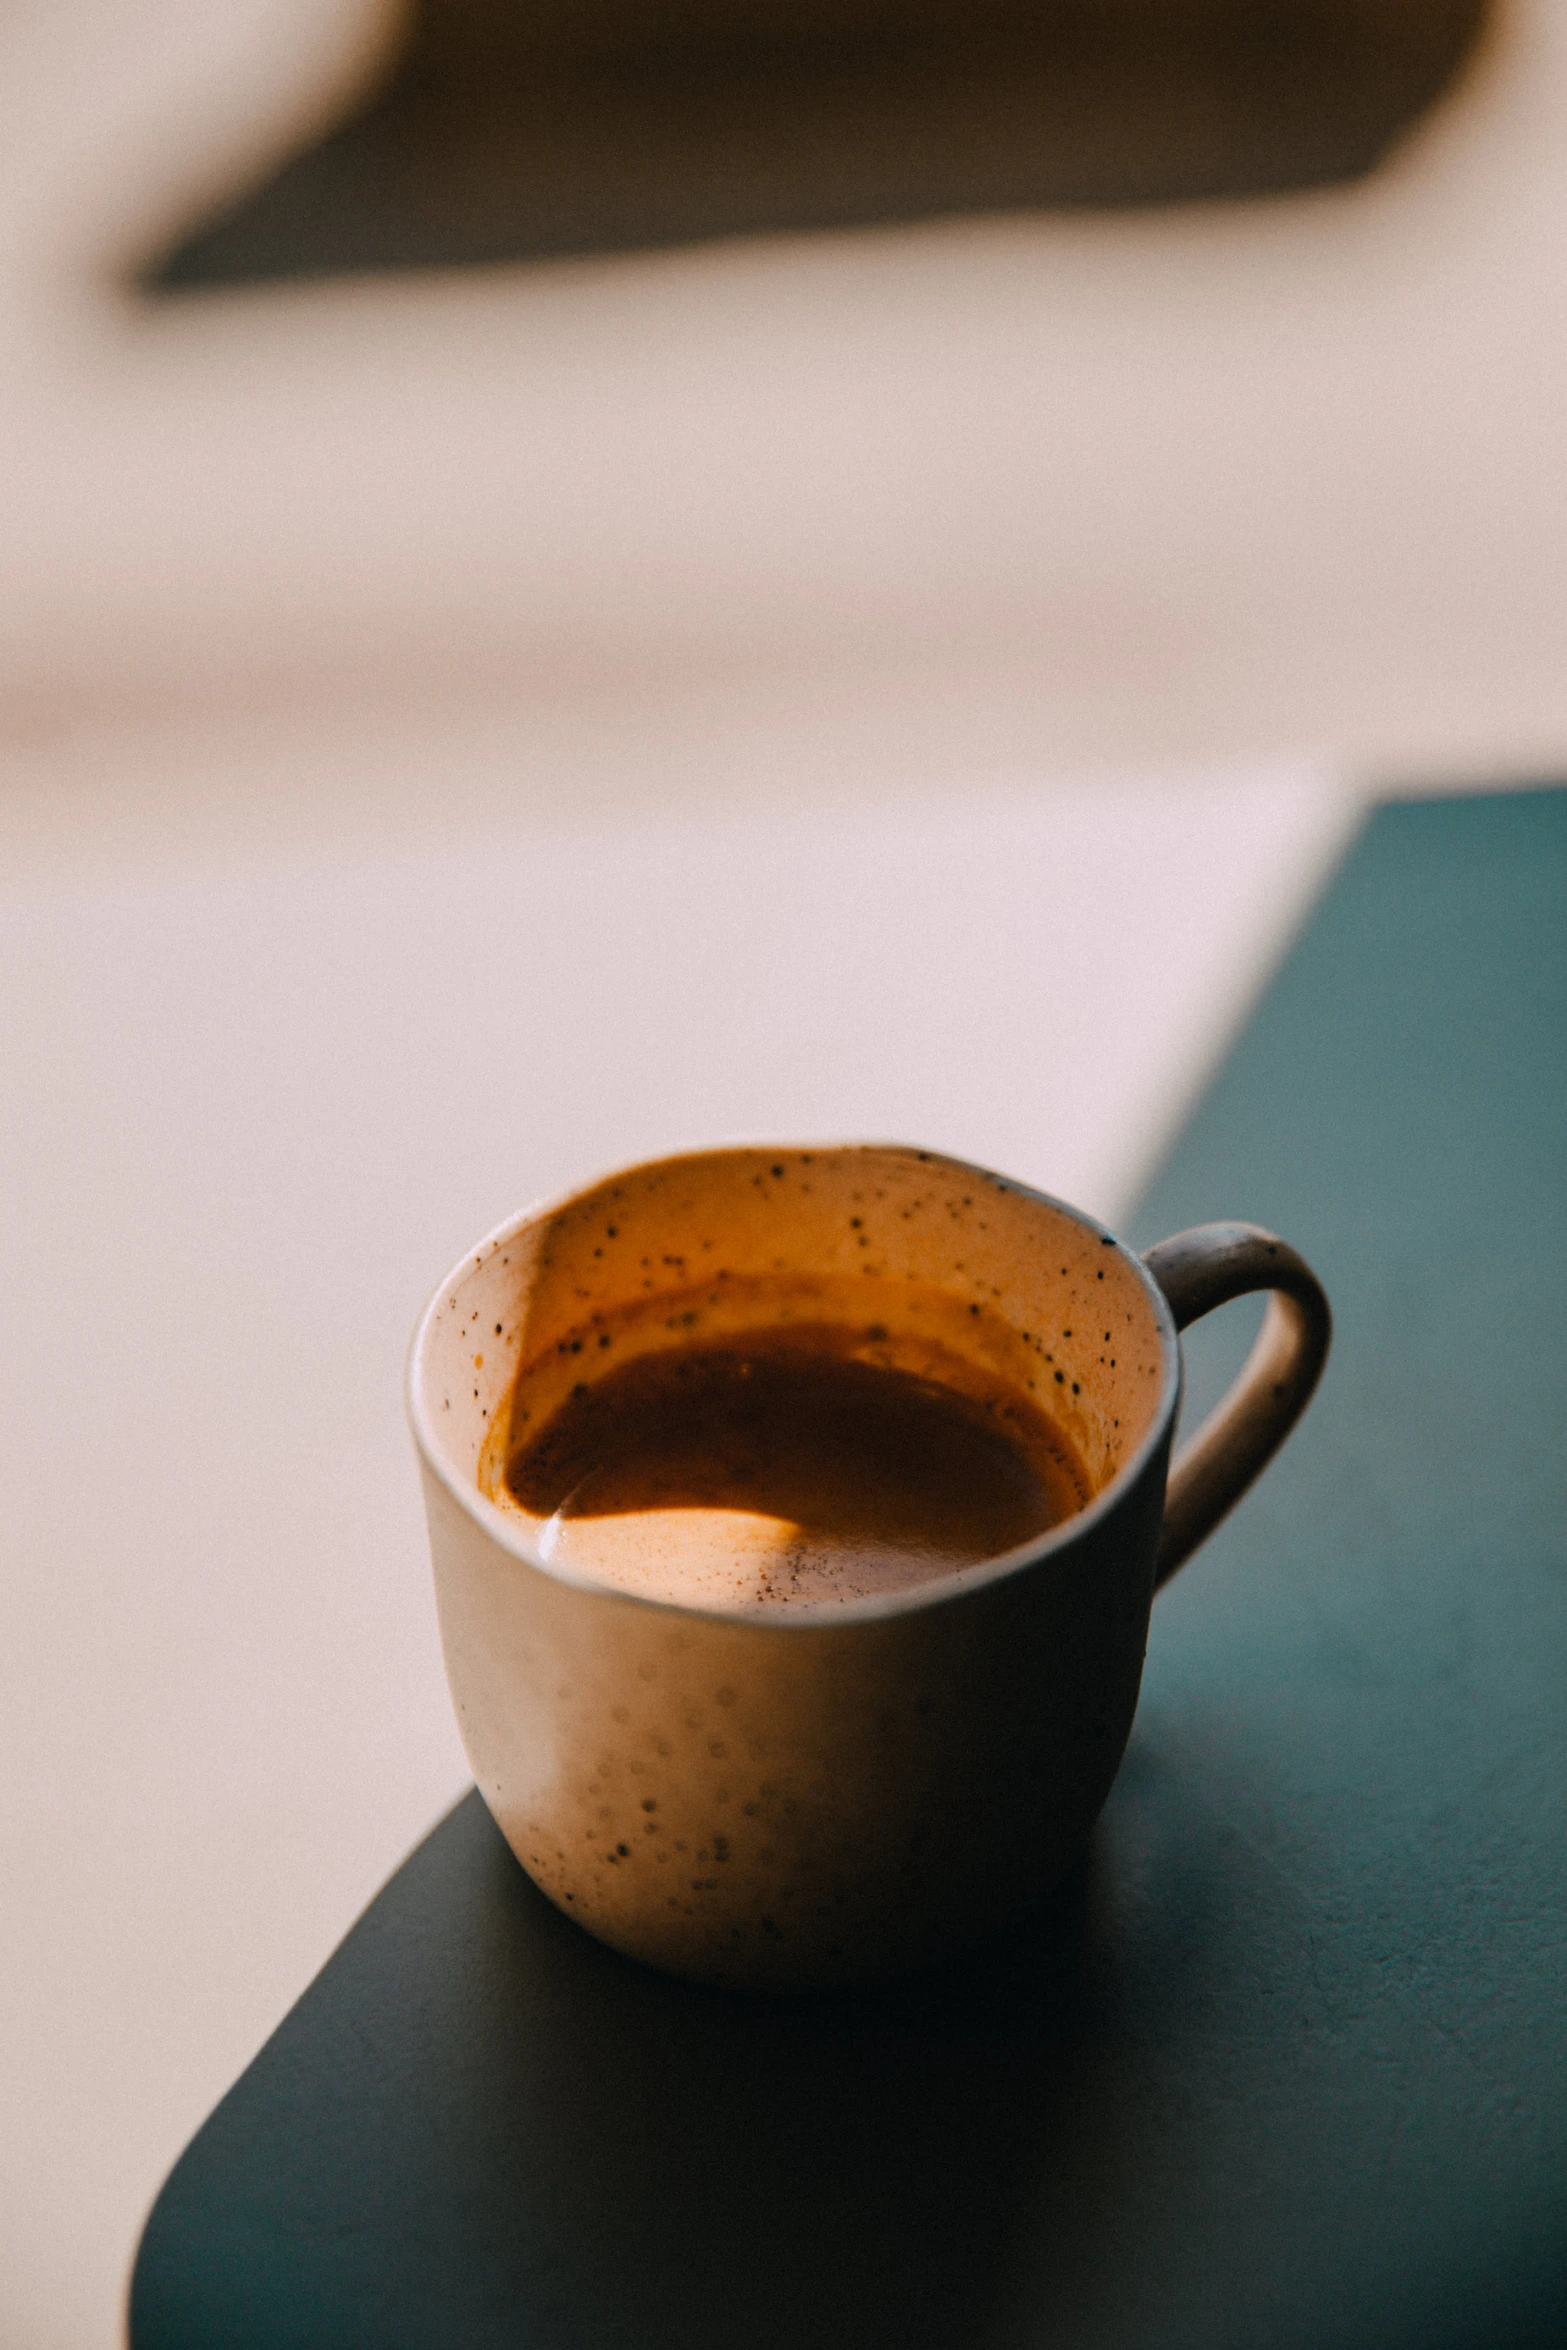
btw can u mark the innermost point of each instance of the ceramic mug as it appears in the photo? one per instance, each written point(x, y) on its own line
point(828, 1792)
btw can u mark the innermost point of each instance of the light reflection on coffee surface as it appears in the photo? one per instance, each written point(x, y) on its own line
point(804, 1460)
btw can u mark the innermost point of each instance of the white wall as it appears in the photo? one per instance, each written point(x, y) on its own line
point(1194, 484)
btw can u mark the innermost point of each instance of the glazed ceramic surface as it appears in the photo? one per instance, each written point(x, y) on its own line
point(790, 1796)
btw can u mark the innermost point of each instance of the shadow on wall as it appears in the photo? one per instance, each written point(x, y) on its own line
point(505, 130)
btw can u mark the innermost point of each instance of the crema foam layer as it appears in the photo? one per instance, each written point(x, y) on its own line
point(784, 1466)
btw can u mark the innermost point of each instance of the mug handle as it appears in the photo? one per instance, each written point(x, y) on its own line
point(1197, 1271)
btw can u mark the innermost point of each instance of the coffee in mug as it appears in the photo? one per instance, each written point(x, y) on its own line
point(796, 1515)
point(822, 1454)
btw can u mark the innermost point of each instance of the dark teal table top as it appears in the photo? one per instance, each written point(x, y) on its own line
point(1287, 2065)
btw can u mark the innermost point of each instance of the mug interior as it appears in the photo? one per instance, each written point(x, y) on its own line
point(947, 1270)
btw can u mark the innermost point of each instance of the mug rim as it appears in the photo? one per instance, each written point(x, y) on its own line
point(813, 1615)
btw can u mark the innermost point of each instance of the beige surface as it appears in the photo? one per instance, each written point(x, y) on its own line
point(1057, 491)
point(262, 1083)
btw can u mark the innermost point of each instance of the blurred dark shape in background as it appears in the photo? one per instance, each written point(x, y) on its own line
point(506, 130)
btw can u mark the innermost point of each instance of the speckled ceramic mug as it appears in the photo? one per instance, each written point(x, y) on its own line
point(830, 1792)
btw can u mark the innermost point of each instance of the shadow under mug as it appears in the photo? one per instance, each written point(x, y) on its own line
point(828, 1792)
